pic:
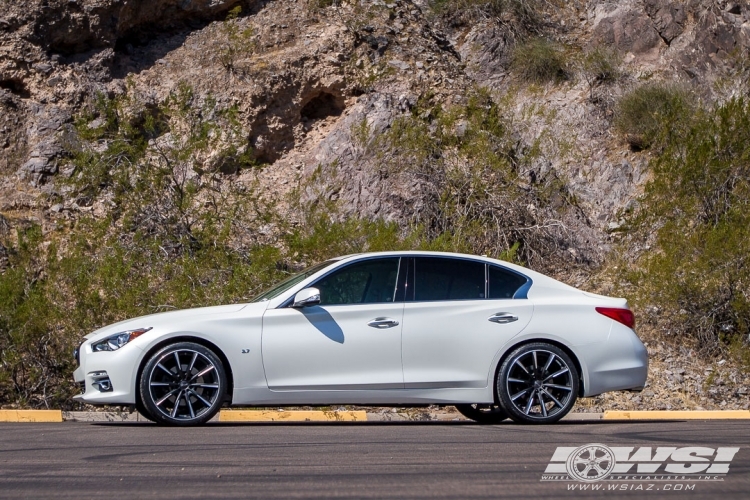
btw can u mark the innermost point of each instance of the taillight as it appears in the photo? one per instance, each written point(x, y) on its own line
point(624, 316)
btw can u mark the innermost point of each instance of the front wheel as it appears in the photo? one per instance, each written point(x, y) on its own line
point(483, 413)
point(183, 384)
point(537, 384)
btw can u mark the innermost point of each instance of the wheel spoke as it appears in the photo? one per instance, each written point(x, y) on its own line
point(163, 368)
point(205, 386)
point(553, 398)
point(519, 394)
point(161, 401)
point(203, 400)
point(160, 384)
point(536, 364)
point(201, 373)
point(549, 362)
point(529, 403)
point(173, 413)
point(177, 358)
point(517, 380)
point(557, 373)
point(556, 386)
point(541, 403)
point(518, 362)
point(192, 362)
point(190, 405)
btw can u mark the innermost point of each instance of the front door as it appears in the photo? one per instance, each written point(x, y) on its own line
point(351, 341)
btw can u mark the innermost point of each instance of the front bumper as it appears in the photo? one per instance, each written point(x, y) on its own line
point(107, 378)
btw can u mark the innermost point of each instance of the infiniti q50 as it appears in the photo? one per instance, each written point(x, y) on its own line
point(494, 339)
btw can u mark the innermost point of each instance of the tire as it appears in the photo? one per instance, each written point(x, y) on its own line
point(183, 384)
point(483, 413)
point(533, 374)
point(140, 408)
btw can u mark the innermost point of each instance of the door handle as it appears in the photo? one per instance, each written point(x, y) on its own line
point(502, 318)
point(382, 323)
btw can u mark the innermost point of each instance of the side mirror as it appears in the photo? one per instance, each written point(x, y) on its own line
point(307, 297)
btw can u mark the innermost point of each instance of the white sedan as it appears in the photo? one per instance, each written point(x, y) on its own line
point(384, 329)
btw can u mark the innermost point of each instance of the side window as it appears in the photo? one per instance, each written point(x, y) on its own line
point(440, 278)
point(504, 284)
point(368, 282)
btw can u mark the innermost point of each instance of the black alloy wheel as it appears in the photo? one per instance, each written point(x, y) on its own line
point(537, 384)
point(183, 384)
point(483, 413)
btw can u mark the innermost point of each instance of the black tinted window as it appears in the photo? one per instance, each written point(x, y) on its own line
point(438, 278)
point(504, 284)
point(366, 282)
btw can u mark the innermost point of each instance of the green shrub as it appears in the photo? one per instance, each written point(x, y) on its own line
point(322, 4)
point(173, 238)
point(601, 65)
point(698, 272)
point(472, 174)
point(519, 15)
point(238, 42)
point(650, 111)
point(539, 61)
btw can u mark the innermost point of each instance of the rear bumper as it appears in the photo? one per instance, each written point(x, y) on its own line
point(619, 364)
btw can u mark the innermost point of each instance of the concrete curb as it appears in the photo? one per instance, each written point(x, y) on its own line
point(31, 416)
point(677, 415)
point(260, 415)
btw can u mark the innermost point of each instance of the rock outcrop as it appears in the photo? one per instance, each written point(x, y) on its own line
point(301, 76)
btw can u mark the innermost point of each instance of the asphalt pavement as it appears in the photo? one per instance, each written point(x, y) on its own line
point(392, 460)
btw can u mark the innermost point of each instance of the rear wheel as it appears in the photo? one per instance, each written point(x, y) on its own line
point(537, 384)
point(483, 413)
point(183, 384)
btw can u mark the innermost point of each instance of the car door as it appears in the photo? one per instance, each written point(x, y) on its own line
point(458, 314)
point(350, 341)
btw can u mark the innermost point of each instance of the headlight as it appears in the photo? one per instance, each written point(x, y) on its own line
point(114, 342)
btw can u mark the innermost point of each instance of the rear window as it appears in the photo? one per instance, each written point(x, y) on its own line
point(504, 284)
point(438, 278)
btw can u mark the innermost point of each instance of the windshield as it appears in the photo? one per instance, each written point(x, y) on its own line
point(288, 283)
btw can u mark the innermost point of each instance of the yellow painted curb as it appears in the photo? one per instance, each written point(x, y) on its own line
point(30, 416)
point(291, 416)
point(676, 415)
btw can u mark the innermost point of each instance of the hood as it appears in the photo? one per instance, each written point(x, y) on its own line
point(158, 319)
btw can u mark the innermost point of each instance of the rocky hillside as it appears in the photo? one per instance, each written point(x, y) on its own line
point(489, 126)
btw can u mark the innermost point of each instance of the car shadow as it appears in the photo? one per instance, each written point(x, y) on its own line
point(324, 323)
point(371, 423)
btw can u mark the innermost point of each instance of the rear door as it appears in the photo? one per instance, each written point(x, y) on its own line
point(458, 314)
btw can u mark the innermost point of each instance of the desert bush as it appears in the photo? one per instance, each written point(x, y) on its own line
point(174, 236)
point(238, 42)
point(697, 273)
point(539, 60)
point(518, 15)
point(601, 65)
point(650, 111)
point(474, 190)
